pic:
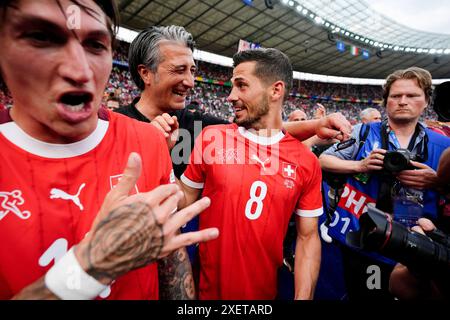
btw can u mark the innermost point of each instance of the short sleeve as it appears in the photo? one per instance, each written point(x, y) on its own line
point(348, 153)
point(194, 175)
point(168, 175)
point(310, 201)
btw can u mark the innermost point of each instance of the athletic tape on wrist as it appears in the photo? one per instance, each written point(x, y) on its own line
point(67, 280)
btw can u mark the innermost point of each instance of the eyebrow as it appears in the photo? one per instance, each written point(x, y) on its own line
point(25, 21)
point(238, 79)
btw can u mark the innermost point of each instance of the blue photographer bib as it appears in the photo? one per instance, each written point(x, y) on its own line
point(362, 191)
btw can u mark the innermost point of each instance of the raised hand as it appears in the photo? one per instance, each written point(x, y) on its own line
point(133, 231)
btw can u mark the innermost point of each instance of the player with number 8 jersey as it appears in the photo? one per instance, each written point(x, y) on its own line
point(256, 176)
point(254, 187)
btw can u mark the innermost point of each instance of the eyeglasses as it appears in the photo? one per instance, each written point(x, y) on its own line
point(345, 144)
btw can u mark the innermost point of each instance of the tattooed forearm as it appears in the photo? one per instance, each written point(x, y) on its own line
point(129, 237)
point(35, 291)
point(175, 277)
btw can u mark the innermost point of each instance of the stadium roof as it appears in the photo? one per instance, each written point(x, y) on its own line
point(306, 30)
point(358, 17)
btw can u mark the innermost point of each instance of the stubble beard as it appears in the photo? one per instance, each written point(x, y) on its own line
point(253, 121)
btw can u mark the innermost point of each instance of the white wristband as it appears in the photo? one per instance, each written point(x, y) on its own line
point(67, 280)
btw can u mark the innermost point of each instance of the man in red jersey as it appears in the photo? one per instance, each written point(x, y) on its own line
point(256, 175)
point(73, 224)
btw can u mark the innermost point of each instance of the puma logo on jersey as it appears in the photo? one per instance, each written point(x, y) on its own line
point(60, 194)
point(262, 163)
point(10, 202)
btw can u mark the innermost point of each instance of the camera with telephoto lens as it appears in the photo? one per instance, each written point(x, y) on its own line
point(398, 160)
point(424, 254)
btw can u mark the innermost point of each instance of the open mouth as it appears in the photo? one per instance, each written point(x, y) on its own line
point(75, 101)
point(238, 109)
point(179, 93)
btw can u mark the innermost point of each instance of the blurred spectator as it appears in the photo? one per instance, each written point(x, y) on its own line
point(369, 115)
point(112, 102)
point(297, 115)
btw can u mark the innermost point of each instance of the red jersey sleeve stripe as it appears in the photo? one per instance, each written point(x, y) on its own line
point(190, 183)
point(309, 213)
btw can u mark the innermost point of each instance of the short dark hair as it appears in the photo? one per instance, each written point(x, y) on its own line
point(422, 76)
point(109, 7)
point(145, 48)
point(271, 65)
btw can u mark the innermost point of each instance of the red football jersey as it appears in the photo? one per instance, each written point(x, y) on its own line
point(255, 184)
point(50, 195)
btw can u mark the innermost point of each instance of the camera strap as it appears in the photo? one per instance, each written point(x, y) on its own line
point(384, 201)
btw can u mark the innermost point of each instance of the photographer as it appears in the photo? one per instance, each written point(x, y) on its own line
point(402, 185)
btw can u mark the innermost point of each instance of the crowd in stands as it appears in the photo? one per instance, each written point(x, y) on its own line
point(211, 98)
point(5, 100)
point(122, 85)
point(213, 71)
point(121, 52)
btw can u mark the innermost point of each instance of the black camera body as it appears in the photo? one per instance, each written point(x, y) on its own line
point(380, 233)
point(398, 160)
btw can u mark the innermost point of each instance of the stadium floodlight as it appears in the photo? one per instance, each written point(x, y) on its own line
point(375, 43)
point(327, 24)
point(318, 20)
point(371, 42)
point(420, 50)
point(413, 50)
point(305, 12)
point(285, 1)
point(357, 37)
point(425, 51)
point(447, 51)
point(366, 41)
point(396, 48)
point(385, 46)
point(299, 8)
point(347, 33)
point(342, 31)
point(439, 51)
point(432, 51)
point(291, 3)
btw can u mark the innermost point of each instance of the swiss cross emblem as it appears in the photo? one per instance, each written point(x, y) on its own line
point(114, 180)
point(289, 170)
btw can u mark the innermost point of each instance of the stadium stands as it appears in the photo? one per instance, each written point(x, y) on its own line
point(212, 87)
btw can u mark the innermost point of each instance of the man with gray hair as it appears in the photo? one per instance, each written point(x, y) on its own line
point(369, 115)
point(162, 66)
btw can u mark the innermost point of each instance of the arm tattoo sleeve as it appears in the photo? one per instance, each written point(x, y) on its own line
point(175, 277)
point(129, 238)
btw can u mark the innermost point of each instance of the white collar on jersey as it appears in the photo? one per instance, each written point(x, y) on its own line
point(265, 141)
point(18, 137)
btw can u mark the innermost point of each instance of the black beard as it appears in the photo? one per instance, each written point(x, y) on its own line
point(252, 121)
